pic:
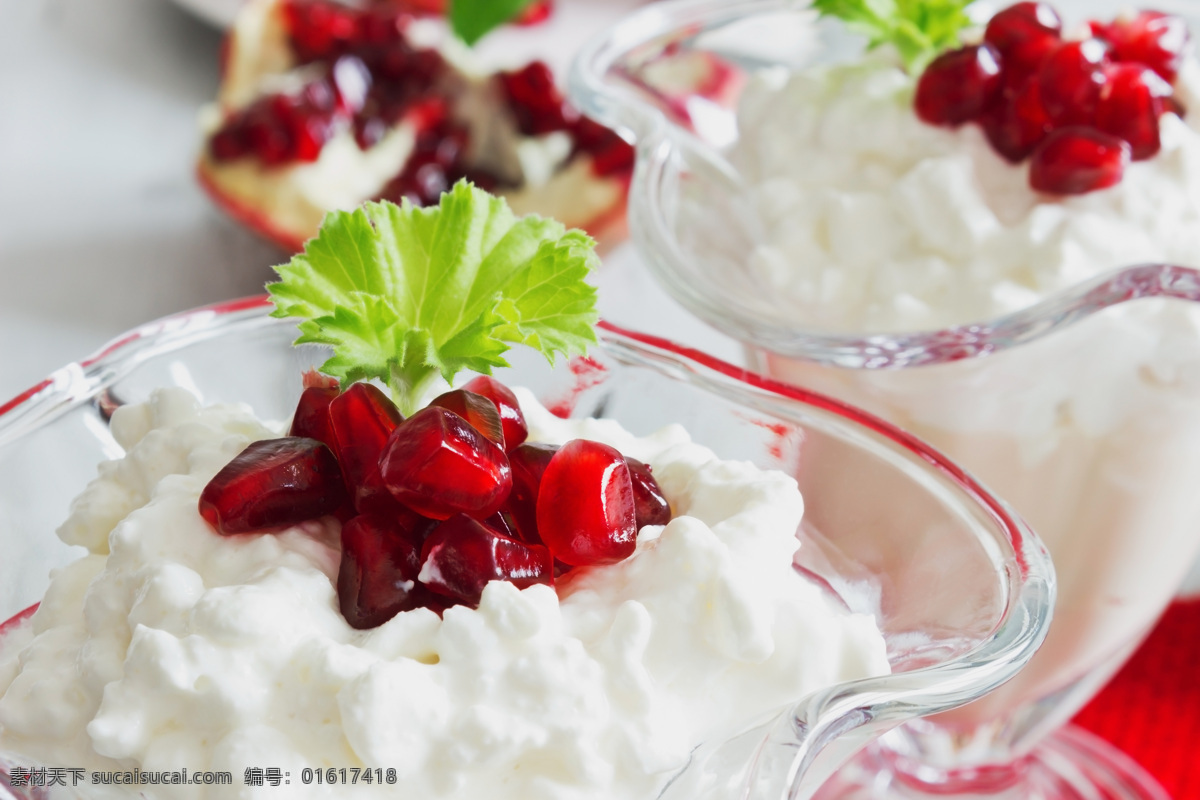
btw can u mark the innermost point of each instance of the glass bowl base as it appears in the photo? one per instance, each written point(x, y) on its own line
point(1071, 764)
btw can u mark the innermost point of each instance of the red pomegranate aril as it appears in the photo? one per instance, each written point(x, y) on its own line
point(512, 420)
point(362, 419)
point(228, 145)
point(1016, 125)
point(476, 409)
point(1078, 160)
point(438, 465)
point(650, 506)
point(273, 484)
point(958, 85)
point(1157, 40)
point(1024, 34)
point(377, 579)
point(611, 155)
point(320, 28)
point(534, 99)
point(585, 506)
point(311, 419)
point(1071, 81)
point(312, 378)
point(1130, 105)
point(528, 462)
point(462, 556)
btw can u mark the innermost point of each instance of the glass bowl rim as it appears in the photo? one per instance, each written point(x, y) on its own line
point(660, 143)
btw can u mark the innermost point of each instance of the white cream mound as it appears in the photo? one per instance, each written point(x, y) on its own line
point(866, 219)
point(169, 646)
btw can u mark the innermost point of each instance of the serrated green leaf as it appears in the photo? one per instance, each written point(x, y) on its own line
point(918, 29)
point(403, 294)
point(472, 19)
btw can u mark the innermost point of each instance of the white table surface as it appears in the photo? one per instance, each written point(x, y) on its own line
point(102, 225)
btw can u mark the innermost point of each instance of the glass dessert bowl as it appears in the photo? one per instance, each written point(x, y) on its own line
point(1077, 403)
point(961, 590)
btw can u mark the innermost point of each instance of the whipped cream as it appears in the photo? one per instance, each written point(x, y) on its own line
point(861, 218)
point(870, 220)
point(169, 646)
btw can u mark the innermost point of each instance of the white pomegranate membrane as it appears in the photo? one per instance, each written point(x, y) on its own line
point(170, 645)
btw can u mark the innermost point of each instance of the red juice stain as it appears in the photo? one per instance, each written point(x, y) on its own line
point(586, 373)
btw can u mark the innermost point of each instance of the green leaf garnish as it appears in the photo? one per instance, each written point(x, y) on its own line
point(919, 29)
point(404, 294)
point(471, 19)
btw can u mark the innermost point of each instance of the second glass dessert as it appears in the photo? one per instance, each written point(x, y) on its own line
point(1070, 387)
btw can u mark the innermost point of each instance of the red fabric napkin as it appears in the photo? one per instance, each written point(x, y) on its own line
point(1151, 709)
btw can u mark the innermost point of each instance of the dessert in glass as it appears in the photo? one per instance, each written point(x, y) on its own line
point(958, 586)
point(1015, 291)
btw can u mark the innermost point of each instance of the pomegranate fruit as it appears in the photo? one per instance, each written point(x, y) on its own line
point(1129, 107)
point(1024, 35)
point(438, 465)
point(649, 503)
point(511, 418)
point(585, 505)
point(273, 484)
point(311, 419)
point(958, 85)
point(1078, 160)
point(479, 412)
point(362, 419)
point(377, 578)
point(528, 462)
point(1159, 41)
point(462, 556)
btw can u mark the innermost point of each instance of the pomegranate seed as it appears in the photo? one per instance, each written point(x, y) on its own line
point(319, 28)
point(650, 506)
point(280, 128)
point(1157, 40)
point(479, 412)
point(528, 463)
point(1024, 34)
point(1130, 105)
point(438, 465)
point(585, 506)
point(1016, 125)
point(611, 155)
point(511, 418)
point(1078, 160)
point(362, 419)
point(502, 523)
point(462, 556)
point(311, 419)
point(536, 12)
point(227, 145)
point(1071, 82)
point(381, 557)
point(312, 378)
point(273, 484)
point(958, 85)
point(534, 99)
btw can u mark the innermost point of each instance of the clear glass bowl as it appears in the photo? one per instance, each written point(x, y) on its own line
point(1083, 411)
point(961, 588)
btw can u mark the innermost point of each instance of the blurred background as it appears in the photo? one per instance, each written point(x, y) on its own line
point(102, 223)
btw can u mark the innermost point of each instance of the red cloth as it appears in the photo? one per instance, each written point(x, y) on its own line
point(1151, 709)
